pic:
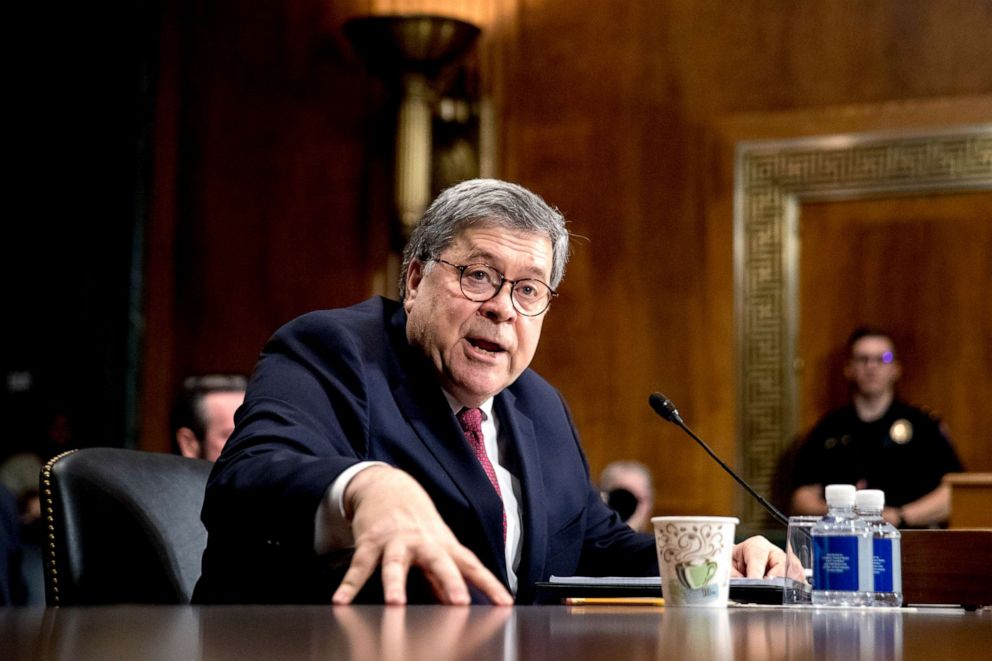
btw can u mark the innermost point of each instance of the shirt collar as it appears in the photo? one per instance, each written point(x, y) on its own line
point(456, 406)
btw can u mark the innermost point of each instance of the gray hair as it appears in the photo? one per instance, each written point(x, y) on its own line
point(485, 202)
point(612, 470)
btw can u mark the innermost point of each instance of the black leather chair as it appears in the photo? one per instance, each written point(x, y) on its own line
point(123, 526)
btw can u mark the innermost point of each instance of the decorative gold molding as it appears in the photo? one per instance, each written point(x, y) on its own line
point(771, 180)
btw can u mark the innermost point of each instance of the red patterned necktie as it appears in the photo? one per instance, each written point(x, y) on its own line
point(471, 422)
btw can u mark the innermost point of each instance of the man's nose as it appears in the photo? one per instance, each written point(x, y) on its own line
point(500, 307)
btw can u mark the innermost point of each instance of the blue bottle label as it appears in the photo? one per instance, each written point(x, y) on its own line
point(835, 563)
point(882, 565)
point(886, 565)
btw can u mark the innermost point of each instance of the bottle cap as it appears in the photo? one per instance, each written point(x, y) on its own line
point(870, 499)
point(840, 495)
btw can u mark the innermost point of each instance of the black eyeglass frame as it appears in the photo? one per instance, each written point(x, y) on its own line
point(502, 280)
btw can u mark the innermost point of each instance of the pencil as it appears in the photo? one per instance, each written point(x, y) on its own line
point(614, 601)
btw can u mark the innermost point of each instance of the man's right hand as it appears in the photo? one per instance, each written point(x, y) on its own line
point(396, 525)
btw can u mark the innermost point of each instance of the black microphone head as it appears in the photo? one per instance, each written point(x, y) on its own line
point(664, 407)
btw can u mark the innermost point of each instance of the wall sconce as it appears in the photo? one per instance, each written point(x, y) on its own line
point(413, 51)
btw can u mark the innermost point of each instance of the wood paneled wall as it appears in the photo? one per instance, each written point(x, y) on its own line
point(615, 112)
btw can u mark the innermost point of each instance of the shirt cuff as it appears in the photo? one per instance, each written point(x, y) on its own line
point(332, 530)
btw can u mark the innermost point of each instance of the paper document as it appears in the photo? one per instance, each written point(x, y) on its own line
point(651, 581)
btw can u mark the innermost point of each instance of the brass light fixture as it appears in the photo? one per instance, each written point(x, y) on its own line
point(411, 51)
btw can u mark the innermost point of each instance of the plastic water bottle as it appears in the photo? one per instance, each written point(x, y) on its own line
point(886, 548)
point(842, 553)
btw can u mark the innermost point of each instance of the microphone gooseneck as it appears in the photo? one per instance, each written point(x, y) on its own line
point(666, 409)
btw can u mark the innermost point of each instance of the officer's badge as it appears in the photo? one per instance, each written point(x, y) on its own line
point(901, 431)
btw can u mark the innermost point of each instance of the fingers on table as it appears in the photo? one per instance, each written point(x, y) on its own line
point(757, 558)
point(776, 563)
point(445, 568)
point(472, 569)
point(363, 563)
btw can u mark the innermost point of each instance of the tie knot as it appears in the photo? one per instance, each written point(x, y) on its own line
point(471, 421)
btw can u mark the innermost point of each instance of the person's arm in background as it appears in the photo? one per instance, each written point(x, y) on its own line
point(808, 499)
point(934, 507)
point(929, 510)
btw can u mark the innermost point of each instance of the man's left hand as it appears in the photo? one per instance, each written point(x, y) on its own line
point(756, 557)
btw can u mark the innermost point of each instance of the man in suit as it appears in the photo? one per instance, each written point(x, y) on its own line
point(392, 435)
point(203, 414)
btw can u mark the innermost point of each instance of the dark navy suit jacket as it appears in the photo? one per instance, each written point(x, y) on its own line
point(336, 387)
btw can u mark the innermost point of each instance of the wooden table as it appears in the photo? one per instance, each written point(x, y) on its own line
point(971, 499)
point(441, 633)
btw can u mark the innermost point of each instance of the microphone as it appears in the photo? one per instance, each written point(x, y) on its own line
point(666, 409)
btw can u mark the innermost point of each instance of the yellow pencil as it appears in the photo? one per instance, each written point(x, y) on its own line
point(614, 601)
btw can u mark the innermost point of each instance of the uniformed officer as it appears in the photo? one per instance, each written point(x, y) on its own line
point(878, 441)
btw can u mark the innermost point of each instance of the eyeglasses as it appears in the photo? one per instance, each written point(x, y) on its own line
point(864, 359)
point(481, 282)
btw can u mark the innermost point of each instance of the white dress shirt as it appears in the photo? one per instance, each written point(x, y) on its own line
point(332, 530)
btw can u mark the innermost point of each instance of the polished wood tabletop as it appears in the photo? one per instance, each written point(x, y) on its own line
point(441, 633)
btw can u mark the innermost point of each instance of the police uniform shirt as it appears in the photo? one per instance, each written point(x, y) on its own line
point(905, 453)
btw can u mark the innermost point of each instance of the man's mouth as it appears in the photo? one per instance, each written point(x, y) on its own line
point(485, 345)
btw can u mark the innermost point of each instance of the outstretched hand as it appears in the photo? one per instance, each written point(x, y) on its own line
point(396, 525)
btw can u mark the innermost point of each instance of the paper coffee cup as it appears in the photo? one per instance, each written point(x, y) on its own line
point(695, 555)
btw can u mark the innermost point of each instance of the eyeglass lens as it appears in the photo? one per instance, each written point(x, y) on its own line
point(880, 359)
point(480, 282)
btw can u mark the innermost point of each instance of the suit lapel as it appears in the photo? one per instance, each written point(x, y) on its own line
point(520, 431)
point(442, 437)
point(418, 395)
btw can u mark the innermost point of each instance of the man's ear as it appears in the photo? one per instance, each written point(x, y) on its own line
point(414, 275)
point(189, 445)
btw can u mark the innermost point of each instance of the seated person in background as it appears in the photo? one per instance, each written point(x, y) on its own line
point(627, 487)
point(877, 442)
point(392, 435)
point(203, 416)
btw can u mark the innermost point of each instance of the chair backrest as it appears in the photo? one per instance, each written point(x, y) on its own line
point(123, 526)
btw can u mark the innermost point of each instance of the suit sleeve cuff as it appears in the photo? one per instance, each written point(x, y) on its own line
point(332, 530)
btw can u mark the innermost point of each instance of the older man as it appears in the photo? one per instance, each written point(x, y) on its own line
point(391, 435)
